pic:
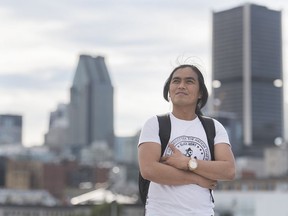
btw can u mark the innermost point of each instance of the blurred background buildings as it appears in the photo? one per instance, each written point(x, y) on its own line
point(81, 155)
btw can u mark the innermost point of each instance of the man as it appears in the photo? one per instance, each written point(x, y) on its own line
point(181, 178)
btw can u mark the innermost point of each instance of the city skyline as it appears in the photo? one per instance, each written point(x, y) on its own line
point(141, 42)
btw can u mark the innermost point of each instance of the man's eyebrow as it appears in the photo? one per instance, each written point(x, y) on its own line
point(193, 78)
point(186, 78)
point(176, 77)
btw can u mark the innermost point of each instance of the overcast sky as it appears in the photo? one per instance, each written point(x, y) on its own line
point(40, 43)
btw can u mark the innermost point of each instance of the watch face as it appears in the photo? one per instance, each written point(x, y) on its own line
point(192, 164)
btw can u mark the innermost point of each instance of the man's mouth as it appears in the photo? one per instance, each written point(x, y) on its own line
point(181, 93)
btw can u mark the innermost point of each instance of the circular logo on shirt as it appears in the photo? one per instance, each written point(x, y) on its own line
point(191, 147)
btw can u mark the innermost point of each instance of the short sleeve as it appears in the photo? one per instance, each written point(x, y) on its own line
point(221, 135)
point(150, 131)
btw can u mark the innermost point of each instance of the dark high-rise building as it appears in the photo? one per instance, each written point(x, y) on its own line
point(247, 68)
point(91, 116)
point(10, 129)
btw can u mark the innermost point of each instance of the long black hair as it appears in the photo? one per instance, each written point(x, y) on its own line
point(202, 87)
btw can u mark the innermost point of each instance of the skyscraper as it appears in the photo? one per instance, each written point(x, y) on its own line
point(91, 116)
point(58, 127)
point(247, 68)
point(10, 129)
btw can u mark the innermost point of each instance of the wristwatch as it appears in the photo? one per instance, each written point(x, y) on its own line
point(192, 164)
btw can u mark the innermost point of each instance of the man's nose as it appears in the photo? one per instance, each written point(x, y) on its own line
point(182, 85)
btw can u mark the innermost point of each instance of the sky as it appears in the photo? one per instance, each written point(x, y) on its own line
point(141, 40)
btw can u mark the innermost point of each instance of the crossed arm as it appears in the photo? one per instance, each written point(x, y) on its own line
point(173, 170)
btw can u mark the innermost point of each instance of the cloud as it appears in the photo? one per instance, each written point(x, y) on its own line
point(41, 79)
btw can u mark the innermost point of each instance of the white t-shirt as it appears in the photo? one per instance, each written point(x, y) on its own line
point(190, 138)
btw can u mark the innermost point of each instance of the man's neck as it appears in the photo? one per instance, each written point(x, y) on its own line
point(184, 113)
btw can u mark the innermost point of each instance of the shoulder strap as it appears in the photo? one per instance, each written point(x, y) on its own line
point(164, 134)
point(209, 128)
point(164, 130)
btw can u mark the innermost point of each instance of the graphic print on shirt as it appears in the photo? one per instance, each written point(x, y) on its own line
point(191, 147)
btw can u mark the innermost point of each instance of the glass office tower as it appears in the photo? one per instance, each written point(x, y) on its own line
point(247, 68)
point(10, 129)
point(91, 108)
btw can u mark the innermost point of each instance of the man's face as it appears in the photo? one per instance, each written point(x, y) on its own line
point(184, 87)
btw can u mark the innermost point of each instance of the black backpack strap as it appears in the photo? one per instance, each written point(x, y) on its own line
point(164, 134)
point(164, 130)
point(209, 128)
